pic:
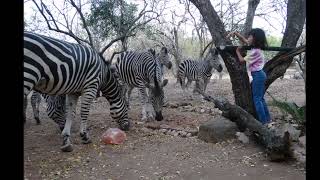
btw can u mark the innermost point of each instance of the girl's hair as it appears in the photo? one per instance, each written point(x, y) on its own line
point(259, 38)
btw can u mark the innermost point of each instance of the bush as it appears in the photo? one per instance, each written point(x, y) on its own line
point(297, 113)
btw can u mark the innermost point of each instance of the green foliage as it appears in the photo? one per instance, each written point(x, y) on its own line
point(297, 113)
point(272, 41)
point(111, 17)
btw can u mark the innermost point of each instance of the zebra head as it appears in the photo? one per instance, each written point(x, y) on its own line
point(156, 93)
point(214, 59)
point(163, 58)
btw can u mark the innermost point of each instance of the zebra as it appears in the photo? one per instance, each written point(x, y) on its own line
point(164, 60)
point(143, 70)
point(56, 67)
point(199, 71)
point(56, 107)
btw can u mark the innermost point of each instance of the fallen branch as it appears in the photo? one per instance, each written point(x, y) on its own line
point(277, 148)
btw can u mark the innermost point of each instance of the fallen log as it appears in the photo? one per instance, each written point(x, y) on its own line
point(277, 148)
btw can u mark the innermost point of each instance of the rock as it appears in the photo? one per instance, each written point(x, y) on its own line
point(164, 126)
point(302, 141)
point(145, 130)
point(217, 129)
point(189, 135)
point(183, 133)
point(299, 153)
point(175, 134)
point(202, 110)
point(173, 105)
point(163, 130)
point(294, 133)
point(242, 137)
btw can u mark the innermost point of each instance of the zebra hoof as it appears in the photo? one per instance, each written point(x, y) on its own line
point(66, 148)
point(125, 126)
point(85, 138)
point(88, 141)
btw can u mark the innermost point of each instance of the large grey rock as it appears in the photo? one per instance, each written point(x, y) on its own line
point(294, 133)
point(217, 129)
point(242, 137)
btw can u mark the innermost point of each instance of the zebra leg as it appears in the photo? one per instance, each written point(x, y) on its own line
point(196, 87)
point(144, 100)
point(86, 101)
point(70, 114)
point(25, 103)
point(129, 91)
point(206, 81)
point(188, 83)
point(35, 103)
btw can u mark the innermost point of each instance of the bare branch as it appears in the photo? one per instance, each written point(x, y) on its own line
point(56, 29)
point(115, 53)
point(113, 41)
point(83, 21)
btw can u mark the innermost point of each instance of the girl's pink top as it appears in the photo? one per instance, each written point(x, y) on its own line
point(255, 58)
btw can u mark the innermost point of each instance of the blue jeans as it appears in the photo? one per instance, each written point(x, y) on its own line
point(258, 81)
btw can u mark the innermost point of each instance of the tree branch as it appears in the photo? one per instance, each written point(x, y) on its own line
point(83, 21)
point(56, 29)
point(113, 41)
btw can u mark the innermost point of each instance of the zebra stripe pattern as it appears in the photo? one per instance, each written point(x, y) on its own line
point(142, 70)
point(56, 67)
point(163, 58)
point(199, 71)
point(56, 107)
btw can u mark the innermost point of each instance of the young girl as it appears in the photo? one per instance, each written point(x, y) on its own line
point(255, 58)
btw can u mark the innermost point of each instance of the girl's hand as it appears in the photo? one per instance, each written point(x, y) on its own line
point(230, 34)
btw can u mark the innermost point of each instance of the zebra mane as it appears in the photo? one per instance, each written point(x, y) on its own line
point(155, 79)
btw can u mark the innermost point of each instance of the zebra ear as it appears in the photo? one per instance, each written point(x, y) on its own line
point(164, 83)
point(164, 50)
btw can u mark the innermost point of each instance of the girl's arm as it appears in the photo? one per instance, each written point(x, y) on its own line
point(241, 59)
point(243, 39)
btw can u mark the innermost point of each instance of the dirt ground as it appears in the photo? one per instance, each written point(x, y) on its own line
point(150, 154)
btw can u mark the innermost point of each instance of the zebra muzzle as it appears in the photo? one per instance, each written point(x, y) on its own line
point(159, 116)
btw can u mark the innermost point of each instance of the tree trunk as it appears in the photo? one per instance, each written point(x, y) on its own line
point(176, 53)
point(296, 14)
point(252, 6)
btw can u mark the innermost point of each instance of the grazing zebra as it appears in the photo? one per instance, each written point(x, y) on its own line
point(199, 71)
point(56, 107)
point(143, 70)
point(56, 67)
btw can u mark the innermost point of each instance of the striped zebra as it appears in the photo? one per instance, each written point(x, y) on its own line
point(143, 70)
point(56, 67)
point(56, 107)
point(199, 71)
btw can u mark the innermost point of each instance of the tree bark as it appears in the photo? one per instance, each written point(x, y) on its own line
point(277, 148)
point(176, 53)
point(252, 6)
